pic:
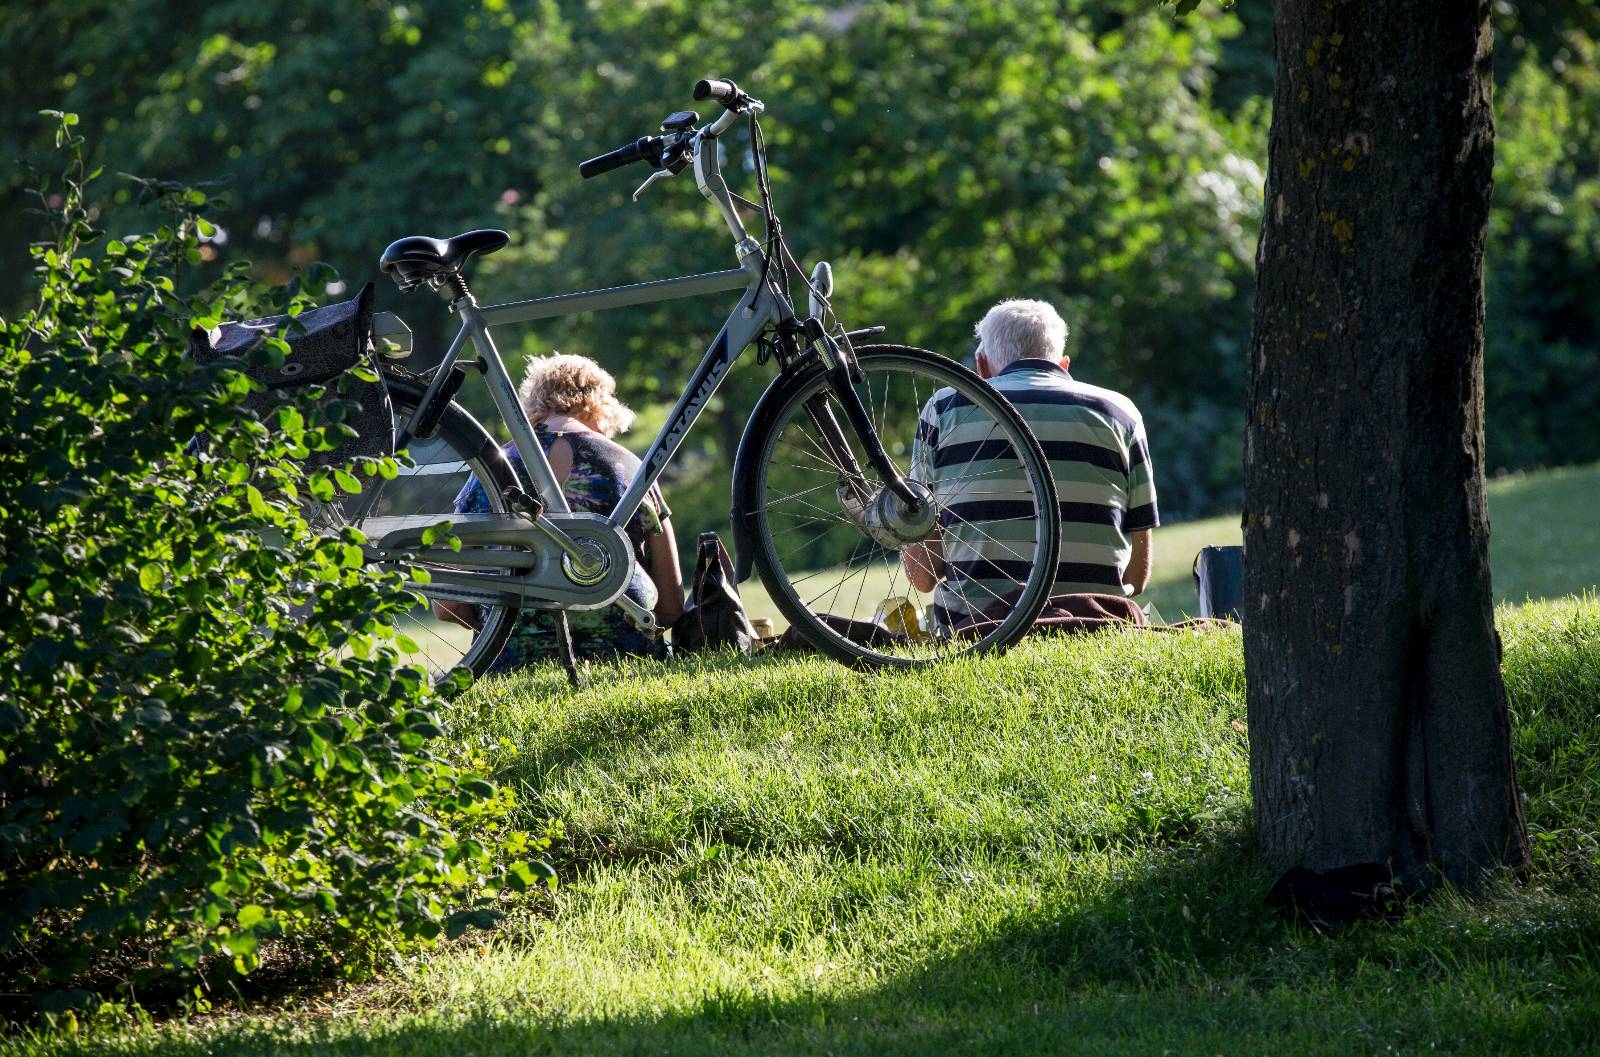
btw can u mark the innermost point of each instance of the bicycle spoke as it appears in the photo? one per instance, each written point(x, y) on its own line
point(851, 561)
point(818, 451)
point(785, 499)
point(856, 607)
point(827, 514)
point(825, 560)
point(807, 523)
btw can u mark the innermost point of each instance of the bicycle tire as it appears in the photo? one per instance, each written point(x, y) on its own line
point(759, 483)
point(459, 448)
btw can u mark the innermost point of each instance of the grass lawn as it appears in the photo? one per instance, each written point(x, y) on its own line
point(1045, 852)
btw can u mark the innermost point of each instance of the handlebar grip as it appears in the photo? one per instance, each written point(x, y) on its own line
point(635, 151)
point(723, 91)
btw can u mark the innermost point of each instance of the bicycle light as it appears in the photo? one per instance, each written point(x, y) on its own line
point(821, 287)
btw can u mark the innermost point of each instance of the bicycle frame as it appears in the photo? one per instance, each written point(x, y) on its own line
point(760, 305)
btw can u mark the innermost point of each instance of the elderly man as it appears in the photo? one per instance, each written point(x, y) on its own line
point(1099, 456)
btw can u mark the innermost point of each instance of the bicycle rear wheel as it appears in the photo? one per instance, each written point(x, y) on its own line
point(459, 451)
point(835, 570)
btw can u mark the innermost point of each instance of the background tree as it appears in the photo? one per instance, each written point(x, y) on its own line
point(943, 153)
point(1378, 725)
point(1060, 150)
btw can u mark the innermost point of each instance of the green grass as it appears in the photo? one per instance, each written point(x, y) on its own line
point(1544, 540)
point(1045, 852)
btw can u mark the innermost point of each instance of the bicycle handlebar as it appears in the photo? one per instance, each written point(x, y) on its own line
point(641, 149)
point(673, 152)
point(720, 89)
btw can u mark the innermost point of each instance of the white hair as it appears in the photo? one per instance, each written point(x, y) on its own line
point(1014, 330)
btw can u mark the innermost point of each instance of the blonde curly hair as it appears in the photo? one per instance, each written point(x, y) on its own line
point(574, 385)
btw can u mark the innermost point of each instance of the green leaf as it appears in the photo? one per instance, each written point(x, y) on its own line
point(484, 918)
point(250, 914)
point(151, 576)
point(478, 788)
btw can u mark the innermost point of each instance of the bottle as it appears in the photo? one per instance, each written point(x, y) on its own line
point(898, 614)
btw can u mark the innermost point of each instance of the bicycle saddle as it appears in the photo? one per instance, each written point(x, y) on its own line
point(413, 259)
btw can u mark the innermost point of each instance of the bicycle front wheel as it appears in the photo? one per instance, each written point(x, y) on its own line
point(871, 589)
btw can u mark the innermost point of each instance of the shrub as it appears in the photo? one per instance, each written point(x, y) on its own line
point(206, 738)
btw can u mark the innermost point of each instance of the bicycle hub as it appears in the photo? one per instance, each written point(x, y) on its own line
point(588, 570)
point(892, 521)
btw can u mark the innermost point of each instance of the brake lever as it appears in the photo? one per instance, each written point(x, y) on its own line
point(674, 159)
point(659, 174)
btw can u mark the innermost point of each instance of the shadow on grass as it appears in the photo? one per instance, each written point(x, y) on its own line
point(1182, 958)
point(611, 728)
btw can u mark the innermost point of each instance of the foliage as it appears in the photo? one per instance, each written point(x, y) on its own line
point(943, 154)
point(1066, 151)
point(1542, 347)
point(208, 742)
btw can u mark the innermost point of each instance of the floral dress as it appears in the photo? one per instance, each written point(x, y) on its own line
point(601, 472)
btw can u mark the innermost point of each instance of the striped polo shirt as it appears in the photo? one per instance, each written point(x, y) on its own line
point(1095, 441)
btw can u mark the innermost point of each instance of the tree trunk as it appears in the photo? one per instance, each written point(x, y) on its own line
point(1378, 726)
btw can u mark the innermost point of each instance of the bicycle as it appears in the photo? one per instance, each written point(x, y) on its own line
point(822, 471)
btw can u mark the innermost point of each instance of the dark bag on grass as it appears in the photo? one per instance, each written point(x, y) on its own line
point(861, 632)
point(324, 343)
point(713, 616)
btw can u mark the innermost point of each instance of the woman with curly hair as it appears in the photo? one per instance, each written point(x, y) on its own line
point(572, 403)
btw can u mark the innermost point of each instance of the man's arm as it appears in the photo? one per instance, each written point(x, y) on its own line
point(924, 564)
point(1137, 575)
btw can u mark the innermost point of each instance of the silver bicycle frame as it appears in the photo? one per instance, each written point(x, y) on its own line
point(759, 305)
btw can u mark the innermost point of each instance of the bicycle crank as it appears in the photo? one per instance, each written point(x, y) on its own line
point(559, 561)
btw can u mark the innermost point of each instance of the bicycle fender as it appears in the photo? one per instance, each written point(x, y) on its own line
point(413, 387)
point(428, 419)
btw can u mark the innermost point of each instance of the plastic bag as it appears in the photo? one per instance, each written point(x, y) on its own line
point(1219, 581)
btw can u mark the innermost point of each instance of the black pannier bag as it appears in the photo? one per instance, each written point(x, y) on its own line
point(324, 343)
point(714, 616)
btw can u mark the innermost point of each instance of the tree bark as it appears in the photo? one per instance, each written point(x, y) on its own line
point(1378, 726)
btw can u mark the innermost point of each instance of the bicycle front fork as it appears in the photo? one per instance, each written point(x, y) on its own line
point(844, 379)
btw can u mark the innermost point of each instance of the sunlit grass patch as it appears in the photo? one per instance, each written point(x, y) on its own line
point(1045, 852)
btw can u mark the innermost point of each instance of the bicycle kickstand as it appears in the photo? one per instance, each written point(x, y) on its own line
point(564, 646)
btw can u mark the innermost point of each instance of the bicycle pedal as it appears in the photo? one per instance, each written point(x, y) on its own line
point(520, 502)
